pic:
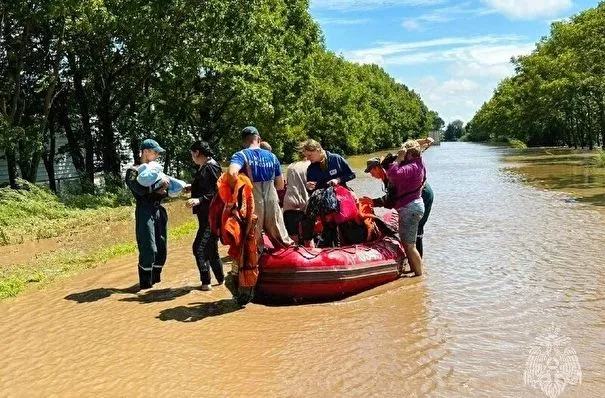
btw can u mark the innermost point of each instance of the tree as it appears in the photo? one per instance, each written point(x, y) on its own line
point(557, 95)
point(108, 73)
point(454, 131)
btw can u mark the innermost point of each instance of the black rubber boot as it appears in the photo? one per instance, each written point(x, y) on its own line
point(145, 279)
point(156, 275)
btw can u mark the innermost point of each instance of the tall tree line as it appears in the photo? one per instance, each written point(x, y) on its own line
point(107, 73)
point(557, 95)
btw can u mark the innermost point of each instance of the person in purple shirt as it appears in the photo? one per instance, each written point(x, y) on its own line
point(408, 175)
point(264, 170)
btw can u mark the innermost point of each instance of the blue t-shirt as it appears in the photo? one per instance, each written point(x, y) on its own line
point(337, 168)
point(263, 164)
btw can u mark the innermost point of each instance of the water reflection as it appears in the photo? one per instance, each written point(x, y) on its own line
point(504, 261)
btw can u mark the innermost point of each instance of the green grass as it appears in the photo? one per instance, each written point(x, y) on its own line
point(517, 144)
point(15, 279)
point(599, 158)
point(34, 212)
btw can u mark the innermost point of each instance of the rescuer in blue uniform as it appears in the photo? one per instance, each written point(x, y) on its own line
point(150, 218)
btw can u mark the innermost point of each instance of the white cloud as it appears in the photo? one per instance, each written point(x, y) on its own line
point(475, 69)
point(445, 14)
point(343, 21)
point(392, 48)
point(472, 67)
point(486, 50)
point(453, 86)
point(345, 5)
point(411, 24)
point(529, 9)
point(452, 98)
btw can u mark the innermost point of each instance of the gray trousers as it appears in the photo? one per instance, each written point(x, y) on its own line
point(270, 216)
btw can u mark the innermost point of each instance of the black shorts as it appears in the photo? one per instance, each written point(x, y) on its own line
point(292, 219)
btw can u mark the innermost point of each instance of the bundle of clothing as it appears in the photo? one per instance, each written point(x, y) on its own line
point(335, 218)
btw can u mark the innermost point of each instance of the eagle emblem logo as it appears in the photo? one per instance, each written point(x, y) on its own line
point(552, 363)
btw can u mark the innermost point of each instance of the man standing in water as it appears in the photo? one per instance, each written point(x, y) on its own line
point(264, 170)
point(150, 218)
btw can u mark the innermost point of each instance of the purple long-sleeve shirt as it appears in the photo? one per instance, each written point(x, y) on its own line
point(408, 180)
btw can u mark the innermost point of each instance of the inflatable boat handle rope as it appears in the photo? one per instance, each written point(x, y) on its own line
point(309, 255)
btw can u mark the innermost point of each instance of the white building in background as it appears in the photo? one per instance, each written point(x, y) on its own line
point(64, 166)
point(436, 135)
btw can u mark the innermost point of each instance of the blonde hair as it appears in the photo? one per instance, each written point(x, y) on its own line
point(309, 145)
point(412, 147)
point(266, 145)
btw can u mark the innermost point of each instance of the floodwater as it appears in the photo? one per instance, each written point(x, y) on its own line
point(505, 262)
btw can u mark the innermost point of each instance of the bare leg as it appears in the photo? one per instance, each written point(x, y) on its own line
point(414, 258)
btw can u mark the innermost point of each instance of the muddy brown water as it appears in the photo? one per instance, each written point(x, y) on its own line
point(504, 262)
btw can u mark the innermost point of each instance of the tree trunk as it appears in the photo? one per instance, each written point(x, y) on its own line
point(49, 154)
point(111, 163)
point(11, 160)
point(85, 118)
point(11, 153)
point(73, 144)
point(601, 103)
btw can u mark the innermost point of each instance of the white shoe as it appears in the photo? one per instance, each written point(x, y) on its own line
point(206, 288)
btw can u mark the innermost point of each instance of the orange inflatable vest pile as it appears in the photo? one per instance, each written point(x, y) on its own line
point(232, 219)
point(368, 218)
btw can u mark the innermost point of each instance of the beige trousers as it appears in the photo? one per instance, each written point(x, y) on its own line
point(270, 216)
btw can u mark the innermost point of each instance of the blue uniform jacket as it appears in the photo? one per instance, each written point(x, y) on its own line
point(337, 168)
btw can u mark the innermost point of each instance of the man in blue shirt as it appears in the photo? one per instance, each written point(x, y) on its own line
point(264, 170)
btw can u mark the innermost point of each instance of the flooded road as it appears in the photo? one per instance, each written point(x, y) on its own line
point(504, 263)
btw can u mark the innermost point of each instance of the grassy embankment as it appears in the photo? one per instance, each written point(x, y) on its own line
point(34, 213)
point(580, 173)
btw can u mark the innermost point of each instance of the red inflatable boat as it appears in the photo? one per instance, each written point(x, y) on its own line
point(302, 274)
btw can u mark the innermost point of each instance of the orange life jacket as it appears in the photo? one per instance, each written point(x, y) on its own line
point(232, 218)
point(368, 218)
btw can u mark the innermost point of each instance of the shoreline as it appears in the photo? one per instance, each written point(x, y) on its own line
point(34, 264)
point(558, 169)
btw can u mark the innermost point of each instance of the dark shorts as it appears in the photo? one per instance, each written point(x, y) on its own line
point(292, 219)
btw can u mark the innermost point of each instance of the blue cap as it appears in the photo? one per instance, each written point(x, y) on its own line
point(250, 130)
point(152, 144)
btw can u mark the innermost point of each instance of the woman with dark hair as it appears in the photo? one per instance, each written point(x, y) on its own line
point(203, 189)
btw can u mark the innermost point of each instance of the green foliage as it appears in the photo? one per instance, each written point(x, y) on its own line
point(517, 144)
point(15, 279)
point(557, 96)
point(599, 158)
point(35, 212)
point(110, 73)
point(32, 201)
point(454, 131)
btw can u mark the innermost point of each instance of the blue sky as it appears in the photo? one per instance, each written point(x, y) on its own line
point(453, 53)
